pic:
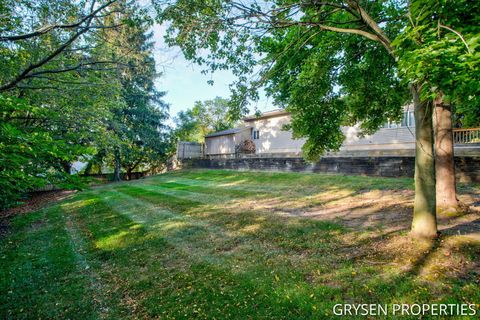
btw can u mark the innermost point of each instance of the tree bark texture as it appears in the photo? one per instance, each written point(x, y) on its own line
point(444, 158)
point(424, 222)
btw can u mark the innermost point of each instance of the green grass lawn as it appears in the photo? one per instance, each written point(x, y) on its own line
point(232, 245)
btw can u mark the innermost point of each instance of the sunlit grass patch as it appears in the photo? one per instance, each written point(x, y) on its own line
point(114, 241)
point(232, 245)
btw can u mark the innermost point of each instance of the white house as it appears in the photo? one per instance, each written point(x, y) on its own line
point(266, 131)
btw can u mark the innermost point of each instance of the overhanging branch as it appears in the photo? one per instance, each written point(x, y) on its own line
point(48, 28)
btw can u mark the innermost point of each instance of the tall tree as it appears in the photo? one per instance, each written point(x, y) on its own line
point(234, 33)
point(138, 120)
point(439, 49)
point(53, 94)
point(63, 84)
point(34, 49)
point(186, 127)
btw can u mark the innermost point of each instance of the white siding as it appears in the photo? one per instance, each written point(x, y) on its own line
point(384, 138)
point(243, 135)
point(220, 144)
point(225, 144)
point(272, 138)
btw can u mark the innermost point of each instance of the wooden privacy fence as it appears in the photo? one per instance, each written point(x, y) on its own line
point(463, 136)
point(190, 150)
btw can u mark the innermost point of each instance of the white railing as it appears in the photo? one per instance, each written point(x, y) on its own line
point(471, 135)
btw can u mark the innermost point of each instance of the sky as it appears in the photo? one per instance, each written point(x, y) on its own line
point(184, 83)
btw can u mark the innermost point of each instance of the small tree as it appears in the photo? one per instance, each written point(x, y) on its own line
point(205, 117)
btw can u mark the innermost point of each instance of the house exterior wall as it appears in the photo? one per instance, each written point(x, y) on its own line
point(243, 135)
point(225, 144)
point(383, 139)
point(393, 139)
point(220, 144)
point(272, 139)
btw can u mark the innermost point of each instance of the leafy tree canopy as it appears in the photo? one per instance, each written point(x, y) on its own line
point(205, 117)
point(76, 83)
point(439, 49)
point(313, 61)
point(333, 60)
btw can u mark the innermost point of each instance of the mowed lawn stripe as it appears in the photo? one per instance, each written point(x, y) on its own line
point(221, 233)
point(157, 212)
point(247, 186)
point(119, 250)
point(42, 274)
point(210, 189)
point(231, 232)
point(165, 198)
point(158, 249)
point(79, 248)
point(290, 180)
point(235, 257)
point(203, 198)
point(197, 239)
point(232, 283)
point(261, 224)
point(244, 188)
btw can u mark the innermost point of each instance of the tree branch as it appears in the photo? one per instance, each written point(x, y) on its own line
point(458, 34)
point(46, 29)
point(25, 74)
point(73, 68)
point(368, 20)
point(371, 36)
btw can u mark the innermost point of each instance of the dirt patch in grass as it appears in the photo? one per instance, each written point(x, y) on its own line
point(379, 221)
point(389, 211)
point(37, 201)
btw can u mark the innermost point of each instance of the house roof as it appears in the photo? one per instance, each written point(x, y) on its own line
point(227, 132)
point(268, 114)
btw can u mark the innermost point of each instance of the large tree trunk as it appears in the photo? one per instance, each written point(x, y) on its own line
point(444, 158)
point(131, 168)
point(116, 171)
point(424, 222)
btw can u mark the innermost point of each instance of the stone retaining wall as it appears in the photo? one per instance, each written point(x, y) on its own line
point(467, 168)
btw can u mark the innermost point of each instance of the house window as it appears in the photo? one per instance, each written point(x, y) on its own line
point(256, 134)
point(411, 119)
point(408, 120)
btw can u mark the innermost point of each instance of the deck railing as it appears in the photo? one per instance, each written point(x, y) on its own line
point(471, 135)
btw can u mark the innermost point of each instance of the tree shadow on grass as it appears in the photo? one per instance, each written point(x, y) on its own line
point(247, 250)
